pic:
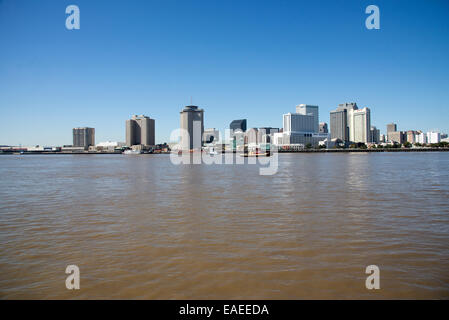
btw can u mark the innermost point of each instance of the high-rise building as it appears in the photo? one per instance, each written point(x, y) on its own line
point(374, 135)
point(397, 136)
point(391, 127)
point(192, 127)
point(433, 137)
point(360, 125)
point(350, 124)
point(140, 130)
point(83, 137)
point(411, 136)
point(300, 128)
point(238, 125)
point(323, 128)
point(307, 109)
point(295, 122)
point(341, 121)
point(339, 124)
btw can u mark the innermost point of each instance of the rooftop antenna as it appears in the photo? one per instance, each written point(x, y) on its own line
point(191, 103)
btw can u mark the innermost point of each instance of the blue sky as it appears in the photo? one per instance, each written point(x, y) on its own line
point(237, 59)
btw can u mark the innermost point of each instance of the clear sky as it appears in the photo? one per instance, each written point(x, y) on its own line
point(237, 59)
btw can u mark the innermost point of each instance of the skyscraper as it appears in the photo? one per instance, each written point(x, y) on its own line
point(238, 125)
point(192, 127)
point(391, 127)
point(350, 124)
point(307, 109)
point(341, 120)
point(339, 124)
point(374, 135)
point(83, 137)
point(360, 125)
point(140, 130)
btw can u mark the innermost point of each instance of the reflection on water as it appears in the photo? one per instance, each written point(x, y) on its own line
point(141, 227)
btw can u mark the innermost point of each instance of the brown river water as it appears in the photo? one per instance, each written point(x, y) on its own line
point(140, 227)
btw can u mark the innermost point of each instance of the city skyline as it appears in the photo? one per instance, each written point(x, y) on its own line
point(148, 62)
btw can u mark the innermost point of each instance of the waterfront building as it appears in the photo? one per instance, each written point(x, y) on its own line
point(251, 136)
point(140, 131)
point(350, 124)
point(238, 125)
point(192, 127)
point(341, 121)
point(83, 137)
point(421, 138)
point(265, 134)
point(360, 125)
point(374, 135)
point(301, 128)
point(397, 137)
point(295, 122)
point(433, 137)
point(391, 127)
point(382, 138)
point(339, 124)
point(411, 136)
point(307, 109)
point(323, 128)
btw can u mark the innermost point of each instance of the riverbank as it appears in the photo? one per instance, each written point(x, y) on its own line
point(280, 151)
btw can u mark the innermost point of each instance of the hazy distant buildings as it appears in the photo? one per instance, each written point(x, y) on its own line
point(140, 130)
point(238, 125)
point(251, 136)
point(192, 127)
point(83, 137)
point(323, 128)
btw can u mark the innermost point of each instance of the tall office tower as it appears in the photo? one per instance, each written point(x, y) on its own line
point(192, 126)
point(360, 125)
point(294, 122)
point(339, 124)
point(83, 137)
point(323, 128)
point(374, 135)
point(341, 120)
point(238, 125)
point(391, 127)
point(307, 110)
point(140, 130)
